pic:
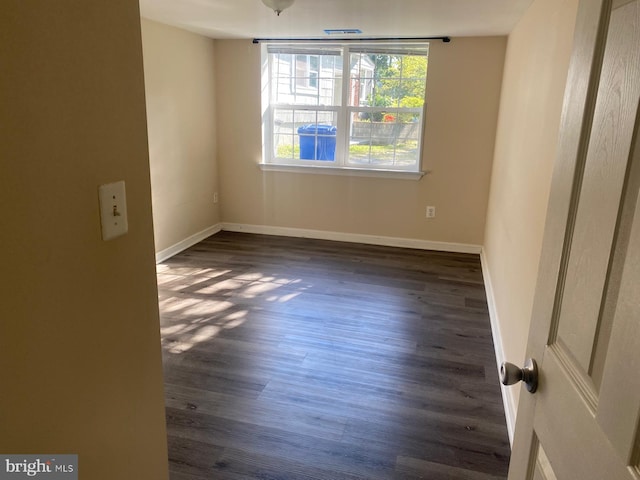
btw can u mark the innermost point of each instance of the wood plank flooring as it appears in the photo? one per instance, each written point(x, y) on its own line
point(289, 358)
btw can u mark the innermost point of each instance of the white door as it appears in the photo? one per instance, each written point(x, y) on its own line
point(583, 421)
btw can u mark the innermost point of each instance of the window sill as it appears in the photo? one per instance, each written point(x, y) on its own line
point(344, 171)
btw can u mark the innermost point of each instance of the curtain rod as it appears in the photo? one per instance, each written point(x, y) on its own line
point(346, 40)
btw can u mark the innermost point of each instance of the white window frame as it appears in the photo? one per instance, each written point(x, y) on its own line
point(344, 113)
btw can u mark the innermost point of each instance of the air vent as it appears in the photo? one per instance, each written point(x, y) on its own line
point(343, 31)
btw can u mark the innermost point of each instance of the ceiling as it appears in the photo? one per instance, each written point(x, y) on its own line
point(308, 18)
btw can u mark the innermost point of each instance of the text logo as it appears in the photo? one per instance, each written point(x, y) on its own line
point(49, 467)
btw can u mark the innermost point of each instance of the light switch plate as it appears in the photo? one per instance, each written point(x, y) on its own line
point(113, 210)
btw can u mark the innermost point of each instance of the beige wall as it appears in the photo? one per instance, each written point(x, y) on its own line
point(463, 88)
point(180, 84)
point(80, 362)
point(536, 68)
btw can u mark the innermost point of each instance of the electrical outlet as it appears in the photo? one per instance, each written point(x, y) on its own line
point(215, 197)
point(431, 212)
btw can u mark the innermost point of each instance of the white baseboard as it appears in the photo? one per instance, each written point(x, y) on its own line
point(353, 238)
point(317, 234)
point(163, 255)
point(508, 399)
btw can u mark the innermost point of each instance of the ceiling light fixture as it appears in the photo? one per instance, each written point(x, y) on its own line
point(278, 5)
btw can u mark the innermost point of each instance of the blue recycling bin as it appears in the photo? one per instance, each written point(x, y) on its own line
point(317, 142)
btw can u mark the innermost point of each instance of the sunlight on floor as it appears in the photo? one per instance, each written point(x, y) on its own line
point(188, 321)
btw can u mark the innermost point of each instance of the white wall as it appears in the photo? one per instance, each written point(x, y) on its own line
point(536, 67)
point(80, 357)
point(463, 87)
point(179, 70)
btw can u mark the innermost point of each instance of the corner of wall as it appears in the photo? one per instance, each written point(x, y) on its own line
point(182, 245)
point(180, 71)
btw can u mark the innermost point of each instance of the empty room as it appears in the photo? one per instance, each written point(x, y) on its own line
point(292, 239)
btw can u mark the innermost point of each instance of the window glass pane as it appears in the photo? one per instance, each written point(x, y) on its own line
point(388, 143)
point(362, 79)
point(411, 88)
point(285, 140)
point(302, 70)
point(280, 76)
point(381, 80)
point(317, 139)
point(301, 79)
point(317, 142)
point(304, 134)
point(329, 75)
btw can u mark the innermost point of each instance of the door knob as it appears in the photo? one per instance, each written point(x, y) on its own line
point(511, 374)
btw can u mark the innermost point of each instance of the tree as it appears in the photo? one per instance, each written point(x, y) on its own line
point(399, 80)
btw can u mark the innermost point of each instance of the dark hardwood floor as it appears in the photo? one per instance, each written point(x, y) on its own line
point(289, 358)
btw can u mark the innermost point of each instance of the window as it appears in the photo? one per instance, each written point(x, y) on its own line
point(355, 106)
point(306, 71)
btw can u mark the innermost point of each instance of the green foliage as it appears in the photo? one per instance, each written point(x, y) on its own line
point(399, 80)
point(288, 151)
point(412, 102)
point(380, 101)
